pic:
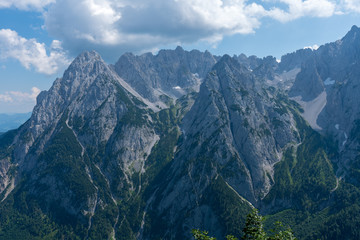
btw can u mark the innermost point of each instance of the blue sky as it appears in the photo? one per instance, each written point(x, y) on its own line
point(39, 38)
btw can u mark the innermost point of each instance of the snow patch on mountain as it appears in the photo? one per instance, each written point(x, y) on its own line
point(329, 81)
point(312, 109)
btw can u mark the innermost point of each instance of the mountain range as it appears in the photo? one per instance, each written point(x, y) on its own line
point(157, 145)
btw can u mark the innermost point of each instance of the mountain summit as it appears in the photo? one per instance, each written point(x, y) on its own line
point(167, 74)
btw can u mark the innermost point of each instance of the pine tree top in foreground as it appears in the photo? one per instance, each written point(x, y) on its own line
point(253, 230)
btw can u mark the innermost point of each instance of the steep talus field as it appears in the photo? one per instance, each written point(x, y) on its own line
point(157, 145)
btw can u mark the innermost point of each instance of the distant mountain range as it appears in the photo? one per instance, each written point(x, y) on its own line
point(156, 145)
point(12, 121)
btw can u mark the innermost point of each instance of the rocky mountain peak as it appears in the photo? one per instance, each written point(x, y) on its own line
point(353, 35)
point(179, 49)
point(328, 86)
point(81, 74)
point(89, 108)
point(239, 72)
point(87, 56)
point(87, 63)
point(170, 73)
point(89, 88)
point(228, 61)
point(295, 59)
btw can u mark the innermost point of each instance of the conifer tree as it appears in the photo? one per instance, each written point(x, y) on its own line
point(253, 229)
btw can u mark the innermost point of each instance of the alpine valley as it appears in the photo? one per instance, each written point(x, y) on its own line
point(157, 145)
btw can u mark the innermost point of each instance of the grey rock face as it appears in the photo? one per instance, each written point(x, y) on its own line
point(333, 70)
point(262, 67)
point(85, 117)
point(308, 83)
point(232, 132)
point(339, 65)
point(171, 73)
point(4, 174)
point(250, 62)
point(295, 59)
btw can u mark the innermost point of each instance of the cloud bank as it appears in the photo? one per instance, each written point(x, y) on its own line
point(25, 4)
point(18, 102)
point(115, 26)
point(352, 5)
point(111, 25)
point(308, 8)
point(31, 53)
point(15, 101)
point(20, 97)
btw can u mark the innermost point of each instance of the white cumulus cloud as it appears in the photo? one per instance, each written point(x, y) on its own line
point(351, 5)
point(31, 53)
point(5, 98)
point(16, 101)
point(26, 4)
point(110, 25)
point(20, 97)
point(113, 26)
point(299, 8)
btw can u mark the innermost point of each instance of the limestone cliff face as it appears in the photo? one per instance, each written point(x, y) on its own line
point(87, 137)
point(308, 83)
point(172, 73)
point(231, 133)
point(331, 75)
point(338, 65)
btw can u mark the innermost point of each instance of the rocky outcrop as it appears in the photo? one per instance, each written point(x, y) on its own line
point(295, 60)
point(308, 83)
point(171, 72)
point(86, 138)
point(231, 133)
point(338, 64)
